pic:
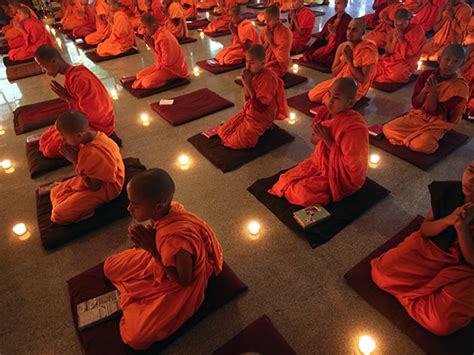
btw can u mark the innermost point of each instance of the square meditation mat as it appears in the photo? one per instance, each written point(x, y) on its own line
point(92, 55)
point(301, 103)
point(315, 66)
point(218, 69)
point(196, 24)
point(392, 87)
point(185, 40)
point(141, 93)
point(218, 34)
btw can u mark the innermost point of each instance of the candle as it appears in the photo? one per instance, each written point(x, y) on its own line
point(295, 68)
point(145, 119)
point(147, 47)
point(253, 23)
point(20, 229)
point(6, 164)
point(196, 71)
point(201, 34)
point(183, 160)
point(420, 64)
point(207, 15)
point(114, 94)
point(366, 345)
point(374, 160)
point(2, 131)
point(254, 228)
point(292, 118)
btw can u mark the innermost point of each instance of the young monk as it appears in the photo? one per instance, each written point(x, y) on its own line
point(355, 59)
point(302, 22)
point(467, 71)
point(244, 35)
point(338, 165)
point(277, 40)
point(450, 27)
point(265, 102)
point(387, 17)
point(223, 7)
point(99, 167)
point(82, 90)
point(431, 273)
point(122, 35)
point(87, 16)
point(77, 15)
point(103, 27)
point(402, 51)
point(438, 103)
point(176, 19)
point(162, 280)
point(12, 34)
point(169, 58)
point(323, 49)
point(221, 23)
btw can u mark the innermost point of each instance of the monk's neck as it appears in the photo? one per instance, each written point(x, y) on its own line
point(89, 137)
point(446, 77)
point(355, 43)
point(163, 213)
point(64, 67)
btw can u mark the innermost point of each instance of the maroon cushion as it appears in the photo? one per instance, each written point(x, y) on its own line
point(185, 40)
point(312, 65)
point(194, 25)
point(10, 63)
point(289, 80)
point(257, 6)
point(260, 337)
point(141, 93)
point(359, 278)
point(92, 55)
point(218, 69)
point(104, 338)
point(302, 103)
point(19, 69)
point(84, 46)
point(391, 87)
point(315, 4)
point(248, 15)
point(218, 34)
point(191, 106)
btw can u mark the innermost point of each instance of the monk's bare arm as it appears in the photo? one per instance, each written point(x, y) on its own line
point(338, 63)
point(431, 228)
point(182, 273)
point(361, 75)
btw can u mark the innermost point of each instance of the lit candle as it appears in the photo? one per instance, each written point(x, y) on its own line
point(196, 71)
point(20, 229)
point(147, 47)
point(183, 161)
point(114, 94)
point(2, 131)
point(374, 160)
point(254, 228)
point(253, 23)
point(366, 345)
point(292, 118)
point(6, 164)
point(201, 34)
point(207, 14)
point(295, 68)
point(145, 119)
point(80, 60)
point(420, 64)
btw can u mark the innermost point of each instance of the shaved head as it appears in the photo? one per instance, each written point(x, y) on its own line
point(258, 52)
point(346, 86)
point(154, 185)
point(360, 23)
point(402, 14)
point(46, 53)
point(273, 11)
point(72, 122)
point(455, 50)
point(149, 19)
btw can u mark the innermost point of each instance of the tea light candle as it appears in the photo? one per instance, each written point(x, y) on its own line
point(145, 119)
point(196, 71)
point(207, 15)
point(292, 118)
point(183, 161)
point(114, 94)
point(374, 160)
point(147, 47)
point(20, 229)
point(6, 164)
point(420, 64)
point(295, 68)
point(201, 34)
point(253, 23)
point(2, 131)
point(366, 344)
point(254, 228)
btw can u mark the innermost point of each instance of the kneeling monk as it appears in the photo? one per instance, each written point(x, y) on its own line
point(223, 22)
point(265, 102)
point(338, 166)
point(431, 273)
point(302, 22)
point(438, 103)
point(387, 18)
point(83, 91)
point(163, 279)
point(169, 58)
point(99, 167)
point(103, 27)
point(176, 20)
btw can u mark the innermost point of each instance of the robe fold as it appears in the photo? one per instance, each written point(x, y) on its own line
point(99, 159)
point(12, 34)
point(306, 19)
point(76, 15)
point(244, 129)
point(420, 130)
point(219, 24)
point(469, 38)
point(122, 37)
point(206, 4)
point(103, 27)
point(379, 34)
point(154, 305)
point(278, 58)
point(34, 35)
point(88, 26)
point(426, 15)
point(190, 9)
point(329, 174)
point(468, 74)
point(176, 12)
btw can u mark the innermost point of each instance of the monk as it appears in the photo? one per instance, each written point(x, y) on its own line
point(12, 34)
point(450, 27)
point(467, 71)
point(283, 5)
point(438, 103)
point(176, 20)
point(78, 14)
point(82, 90)
point(356, 58)
point(169, 59)
point(88, 20)
point(277, 40)
point(373, 19)
point(301, 21)
point(265, 102)
point(190, 9)
point(402, 51)
point(387, 16)
point(323, 50)
point(223, 7)
point(99, 167)
point(161, 280)
point(425, 12)
point(140, 8)
point(221, 23)
point(103, 27)
point(122, 36)
point(431, 273)
point(206, 4)
point(244, 36)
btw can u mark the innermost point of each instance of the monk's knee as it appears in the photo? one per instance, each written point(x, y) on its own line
point(424, 144)
point(135, 336)
point(440, 324)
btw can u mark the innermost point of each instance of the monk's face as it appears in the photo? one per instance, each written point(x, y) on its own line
point(355, 31)
point(49, 67)
point(401, 24)
point(140, 210)
point(72, 139)
point(449, 63)
point(340, 6)
point(150, 28)
point(271, 21)
point(338, 100)
point(468, 182)
point(253, 64)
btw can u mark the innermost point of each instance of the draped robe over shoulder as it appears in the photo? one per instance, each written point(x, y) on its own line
point(306, 19)
point(278, 58)
point(34, 36)
point(121, 39)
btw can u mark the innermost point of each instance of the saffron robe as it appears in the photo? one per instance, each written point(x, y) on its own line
point(34, 35)
point(103, 27)
point(176, 12)
point(227, 5)
point(420, 130)
point(426, 15)
point(190, 9)
point(398, 66)
point(121, 39)
point(468, 74)
point(206, 4)
point(235, 53)
point(75, 15)
point(379, 34)
point(169, 62)
point(244, 129)
point(219, 24)
point(90, 97)
point(329, 174)
point(154, 305)
point(99, 159)
point(88, 26)
point(306, 19)
point(469, 38)
point(323, 49)
point(277, 59)
point(12, 34)
point(365, 53)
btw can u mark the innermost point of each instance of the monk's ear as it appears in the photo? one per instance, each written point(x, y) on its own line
point(352, 102)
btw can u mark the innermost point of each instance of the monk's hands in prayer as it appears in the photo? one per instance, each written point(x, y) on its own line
point(69, 152)
point(269, 36)
point(292, 16)
point(324, 134)
point(246, 76)
point(432, 84)
point(149, 41)
point(348, 54)
point(144, 238)
point(59, 90)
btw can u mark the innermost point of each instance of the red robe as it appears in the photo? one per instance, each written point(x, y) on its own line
point(379, 34)
point(35, 35)
point(88, 25)
point(306, 20)
point(278, 59)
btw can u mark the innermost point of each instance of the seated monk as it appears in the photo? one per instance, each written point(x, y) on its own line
point(122, 35)
point(83, 91)
point(223, 7)
point(244, 36)
point(162, 279)
point(12, 34)
point(139, 8)
point(76, 15)
point(206, 4)
point(103, 27)
point(176, 21)
point(99, 167)
point(276, 39)
point(87, 15)
point(221, 23)
point(283, 5)
point(387, 17)
point(323, 50)
point(356, 59)
point(431, 273)
point(190, 9)
point(301, 21)
point(450, 27)
point(402, 52)
point(425, 12)
point(169, 59)
point(438, 103)
point(467, 71)
point(265, 102)
point(372, 20)
point(338, 166)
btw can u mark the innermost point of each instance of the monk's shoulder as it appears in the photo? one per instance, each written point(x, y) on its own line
point(283, 31)
point(465, 8)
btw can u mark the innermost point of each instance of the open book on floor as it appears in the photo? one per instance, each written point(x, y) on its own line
point(98, 309)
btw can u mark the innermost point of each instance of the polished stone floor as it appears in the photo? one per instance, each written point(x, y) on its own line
point(302, 290)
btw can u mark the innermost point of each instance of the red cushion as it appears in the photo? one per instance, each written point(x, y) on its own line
point(219, 69)
point(289, 80)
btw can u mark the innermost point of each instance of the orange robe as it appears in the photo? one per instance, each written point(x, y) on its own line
point(468, 74)
point(469, 38)
point(278, 59)
point(12, 34)
point(426, 15)
point(244, 129)
point(306, 19)
point(206, 4)
point(190, 9)
point(379, 34)
point(219, 24)
point(34, 35)
point(99, 159)
point(235, 53)
point(88, 25)
point(169, 62)
point(121, 39)
point(419, 130)
point(176, 12)
point(138, 11)
point(329, 174)
point(103, 27)
point(228, 4)
point(452, 31)
point(372, 19)
point(365, 53)
point(398, 66)
point(75, 16)
point(154, 305)
point(90, 97)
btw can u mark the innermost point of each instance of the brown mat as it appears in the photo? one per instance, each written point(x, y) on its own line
point(260, 337)
point(141, 93)
point(19, 69)
point(391, 87)
point(343, 212)
point(30, 117)
point(190, 107)
point(92, 55)
point(196, 24)
point(359, 278)
point(315, 66)
point(289, 80)
point(54, 235)
point(218, 34)
point(84, 46)
point(315, 5)
point(187, 40)
point(218, 69)
point(227, 159)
